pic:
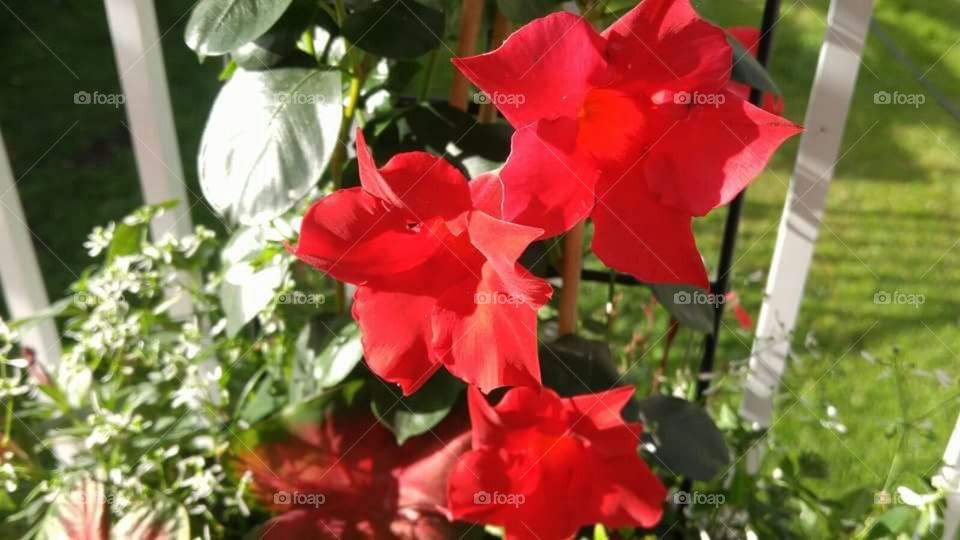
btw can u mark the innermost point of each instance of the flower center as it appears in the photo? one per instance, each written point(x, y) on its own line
point(611, 124)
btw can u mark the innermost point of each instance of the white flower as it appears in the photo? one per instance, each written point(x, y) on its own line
point(99, 239)
point(914, 499)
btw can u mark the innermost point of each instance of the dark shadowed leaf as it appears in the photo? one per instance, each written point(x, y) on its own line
point(687, 440)
point(748, 71)
point(219, 26)
point(524, 11)
point(413, 415)
point(687, 304)
point(395, 28)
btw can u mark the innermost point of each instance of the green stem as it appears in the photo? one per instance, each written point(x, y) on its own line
point(428, 75)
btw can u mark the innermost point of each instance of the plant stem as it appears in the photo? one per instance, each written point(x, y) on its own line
point(428, 76)
point(570, 273)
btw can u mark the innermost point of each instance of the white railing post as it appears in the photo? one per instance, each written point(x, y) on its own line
point(830, 98)
point(20, 273)
point(139, 56)
point(950, 474)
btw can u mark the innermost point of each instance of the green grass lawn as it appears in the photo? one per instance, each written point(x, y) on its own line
point(891, 224)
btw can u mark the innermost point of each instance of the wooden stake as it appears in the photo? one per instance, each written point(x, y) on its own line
point(471, 15)
point(501, 29)
point(572, 264)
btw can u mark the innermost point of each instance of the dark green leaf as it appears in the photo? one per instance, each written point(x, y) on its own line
point(265, 398)
point(573, 365)
point(219, 26)
point(414, 415)
point(524, 11)
point(748, 71)
point(280, 41)
point(687, 440)
point(268, 140)
point(812, 465)
point(327, 350)
point(395, 28)
point(688, 304)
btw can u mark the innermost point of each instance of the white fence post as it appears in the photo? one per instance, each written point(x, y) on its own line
point(139, 56)
point(139, 53)
point(20, 273)
point(830, 98)
point(950, 473)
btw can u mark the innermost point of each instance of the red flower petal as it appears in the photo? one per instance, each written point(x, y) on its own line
point(533, 472)
point(486, 336)
point(425, 185)
point(734, 142)
point(630, 494)
point(543, 70)
point(633, 233)
point(548, 182)
point(351, 236)
point(502, 243)
point(396, 333)
point(486, 191)
point(664, 44)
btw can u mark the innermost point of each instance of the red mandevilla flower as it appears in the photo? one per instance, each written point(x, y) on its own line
point(635, 126)
point(347, 478)
point(437, 270)
point(542, 466)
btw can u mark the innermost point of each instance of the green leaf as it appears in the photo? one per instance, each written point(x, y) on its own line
point(573, 365)
point(524, 11)
point(395, 28)
point(162, 520)
point(897, 520)
point(414, 415)
point(327, 350)
point(133, 230)
point(811, 465)
point(687, 440)
point(78, 511)
point(248, 288)
point(279, 42)
point(219, 26)
point(747, 70)
point(265, 398)
point(688, 304)
point(269, 138)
